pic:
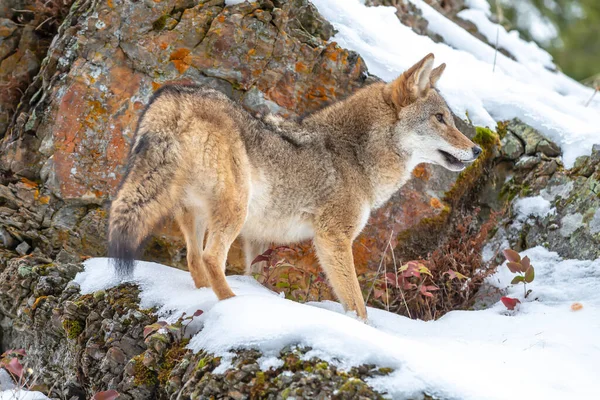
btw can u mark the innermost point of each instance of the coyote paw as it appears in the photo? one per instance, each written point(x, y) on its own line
point(200, 282)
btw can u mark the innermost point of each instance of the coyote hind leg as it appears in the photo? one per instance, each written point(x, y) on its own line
point(192, 224)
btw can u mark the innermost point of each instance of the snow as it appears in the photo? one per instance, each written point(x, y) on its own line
point(22, 395)
point(535, 206)
point(549, 101)
point(525, 52)
point(541, 350)
point(531, 19)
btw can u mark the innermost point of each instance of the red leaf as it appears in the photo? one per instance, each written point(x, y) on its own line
point(509, 302)
point(392, 279)
point(512, 255)
point(107, 395)
point(20, 352)
point(15, 368)
point(525, 264)
point(260, 258)
point(198, 313)
point(150, 329)
point(529, 275)
point(424, 290)
point(514, 267)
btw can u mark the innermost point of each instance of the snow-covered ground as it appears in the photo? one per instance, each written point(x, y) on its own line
point(526, 88)
point(543, 350)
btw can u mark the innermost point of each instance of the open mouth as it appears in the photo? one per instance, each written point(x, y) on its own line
point(451, 160)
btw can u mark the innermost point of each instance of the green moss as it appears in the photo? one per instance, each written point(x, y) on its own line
point(502, 128)
point(171, 359)
point(160, 23)
point(142, 375)
point(286, 393)
point(42, 270)
point(385, 370)
point(354, 388)
point(73, 328)
point(322, 365)
point(485, 137)
point(511, 189)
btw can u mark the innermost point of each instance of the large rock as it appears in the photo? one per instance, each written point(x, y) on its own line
point(572, 227)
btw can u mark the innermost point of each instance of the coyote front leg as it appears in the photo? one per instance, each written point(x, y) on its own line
point(335, 255)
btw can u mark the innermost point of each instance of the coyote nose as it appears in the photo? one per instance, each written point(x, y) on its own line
point(476, 151)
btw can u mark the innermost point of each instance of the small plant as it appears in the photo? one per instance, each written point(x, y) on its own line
point(449, 279)
point(177, 329)
point(297, 284)
point(519, 266)
point(525, 274)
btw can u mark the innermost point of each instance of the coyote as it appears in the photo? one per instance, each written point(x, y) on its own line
point(200, 157)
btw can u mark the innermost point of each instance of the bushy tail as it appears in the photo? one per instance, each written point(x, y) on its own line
point(122, 248)
point(145, 197)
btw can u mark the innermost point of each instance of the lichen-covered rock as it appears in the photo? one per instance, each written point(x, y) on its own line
point(533, 141)
point(572, 227)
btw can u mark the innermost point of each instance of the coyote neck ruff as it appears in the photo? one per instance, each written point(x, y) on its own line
point(200, 157)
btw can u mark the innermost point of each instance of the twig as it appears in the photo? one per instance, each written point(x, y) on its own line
point(496, 50)
point(401, 290)
point(591, 98)
point(43, 22)
point(500, 17)
point(378, 269)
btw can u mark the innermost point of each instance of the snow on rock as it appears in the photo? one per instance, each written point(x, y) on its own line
point(535, 206)
point(543, 350)
point(549, 101)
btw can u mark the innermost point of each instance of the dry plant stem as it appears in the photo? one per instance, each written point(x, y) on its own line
point(396, 273)
point(591, 98)
point(378, 269)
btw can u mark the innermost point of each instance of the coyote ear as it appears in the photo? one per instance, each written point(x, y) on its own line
point(412, 84)
point(436, 74)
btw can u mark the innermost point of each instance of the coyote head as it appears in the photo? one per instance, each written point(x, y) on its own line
point(425, 128)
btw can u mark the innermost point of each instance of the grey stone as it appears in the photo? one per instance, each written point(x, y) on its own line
point(7, 240)
point(512, 147)
point(534, 141)
point(23, 248)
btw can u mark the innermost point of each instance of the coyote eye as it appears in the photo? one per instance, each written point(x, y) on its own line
point(440, 117)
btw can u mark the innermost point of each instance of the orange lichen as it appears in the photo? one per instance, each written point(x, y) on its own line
point(422, 172)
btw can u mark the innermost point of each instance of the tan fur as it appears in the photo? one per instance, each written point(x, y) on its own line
point(199, 157)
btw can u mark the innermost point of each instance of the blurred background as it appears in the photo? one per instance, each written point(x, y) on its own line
point(567, 29)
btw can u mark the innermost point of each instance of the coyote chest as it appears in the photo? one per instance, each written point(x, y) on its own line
point(268, 221)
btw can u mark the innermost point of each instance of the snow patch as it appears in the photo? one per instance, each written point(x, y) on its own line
point(461, 355)
point(535, 206)
point(22, 395)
